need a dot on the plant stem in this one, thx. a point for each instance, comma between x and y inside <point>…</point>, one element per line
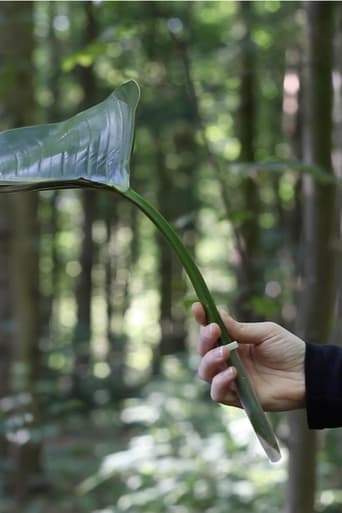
<point>189,265</point>
<point>246,395</point>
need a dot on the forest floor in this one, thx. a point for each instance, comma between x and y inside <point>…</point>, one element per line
<point>169,450</point>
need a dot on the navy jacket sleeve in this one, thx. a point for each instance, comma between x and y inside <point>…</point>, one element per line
<point>323,382</point>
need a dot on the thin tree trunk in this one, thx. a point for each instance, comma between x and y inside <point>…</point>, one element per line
<point>17,45</point>
<point>6,319</point>
<point>111,266</point>
<point>82,335</point>
<point>165,267</point>
<point>338,166</point>
<point>116,282</point>
<point>249,276</point>
<point>54,113</point>
<point>53,300</point>
<point>318,285</point>
<point>27,300</point>
<point>301,485</point>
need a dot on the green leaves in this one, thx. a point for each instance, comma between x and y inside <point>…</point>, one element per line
<point>93,145</point>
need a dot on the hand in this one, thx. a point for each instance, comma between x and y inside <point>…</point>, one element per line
<point>272,356</point>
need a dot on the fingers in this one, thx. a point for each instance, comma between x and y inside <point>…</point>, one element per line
<point>209,333</point>
<point>213,361</point>
<point>248,332</point>
<point>223,389</point>
<point>199,313</point>
<point>213,369</point>
<point>208,338</point>
<point>243,332</point>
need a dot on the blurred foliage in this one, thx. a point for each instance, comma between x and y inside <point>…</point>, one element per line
<point>166,450</point>
<point>134,439</point>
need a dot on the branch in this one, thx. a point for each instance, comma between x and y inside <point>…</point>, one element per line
<point>212,159</point>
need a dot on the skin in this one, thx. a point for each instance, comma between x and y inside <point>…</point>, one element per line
<point>273,358</point>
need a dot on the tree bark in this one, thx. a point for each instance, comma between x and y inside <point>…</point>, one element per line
<point>249,274</point>
<point>337,162</point>
<point>316,302</point>
<point>17,51</point>
<point>6,315</point>
<point>27,300</point>
<point>82,334</point>
<point>165,267</point>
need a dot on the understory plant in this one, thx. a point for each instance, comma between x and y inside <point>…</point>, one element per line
<point>92,149</point>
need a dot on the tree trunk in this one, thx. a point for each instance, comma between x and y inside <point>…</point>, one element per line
<point>82,335</point>
<point>316,302</point>
<point>27,300</point>
<point>165,267</point>
<point>301,485</point>
<point>248,275</point>
<point>338,167</point>
<point>6,318</point>
<point>17,51</point>
<point>118,260</point>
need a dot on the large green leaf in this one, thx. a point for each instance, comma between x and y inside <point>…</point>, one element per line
<point>93,145</point>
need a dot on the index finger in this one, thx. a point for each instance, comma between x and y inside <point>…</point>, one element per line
<point>209,336</point>
<point>199,314</point>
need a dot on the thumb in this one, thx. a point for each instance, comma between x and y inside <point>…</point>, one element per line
<point>247,332</point>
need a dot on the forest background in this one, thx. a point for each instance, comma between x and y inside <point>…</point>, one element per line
<point>238,143</point>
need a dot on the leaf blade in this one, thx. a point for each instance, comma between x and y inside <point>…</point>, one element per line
<point>95,144</point>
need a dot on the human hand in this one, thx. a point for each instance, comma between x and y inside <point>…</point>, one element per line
<point>272,356</point>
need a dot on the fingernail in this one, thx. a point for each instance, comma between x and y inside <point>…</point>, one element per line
<point>230,371</point>
<point>232,345</point>
<point>222,352</point>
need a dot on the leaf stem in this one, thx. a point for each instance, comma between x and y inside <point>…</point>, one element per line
<point>187,261</point>
<point>246,394</point>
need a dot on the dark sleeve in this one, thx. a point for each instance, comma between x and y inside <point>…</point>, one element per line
<point>323,383</point>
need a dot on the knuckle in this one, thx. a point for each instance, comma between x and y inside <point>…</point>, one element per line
<point>200,348</point>
<point>216,392</point>
<point>204,370</point>
<point>204,334</point>
<point>271,326</point>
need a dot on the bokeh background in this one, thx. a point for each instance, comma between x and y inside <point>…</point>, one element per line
<point>238,143</point>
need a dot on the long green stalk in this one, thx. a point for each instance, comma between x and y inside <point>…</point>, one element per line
<point>246,395</point>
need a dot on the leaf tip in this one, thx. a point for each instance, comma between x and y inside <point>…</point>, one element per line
<point>129,92</point>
